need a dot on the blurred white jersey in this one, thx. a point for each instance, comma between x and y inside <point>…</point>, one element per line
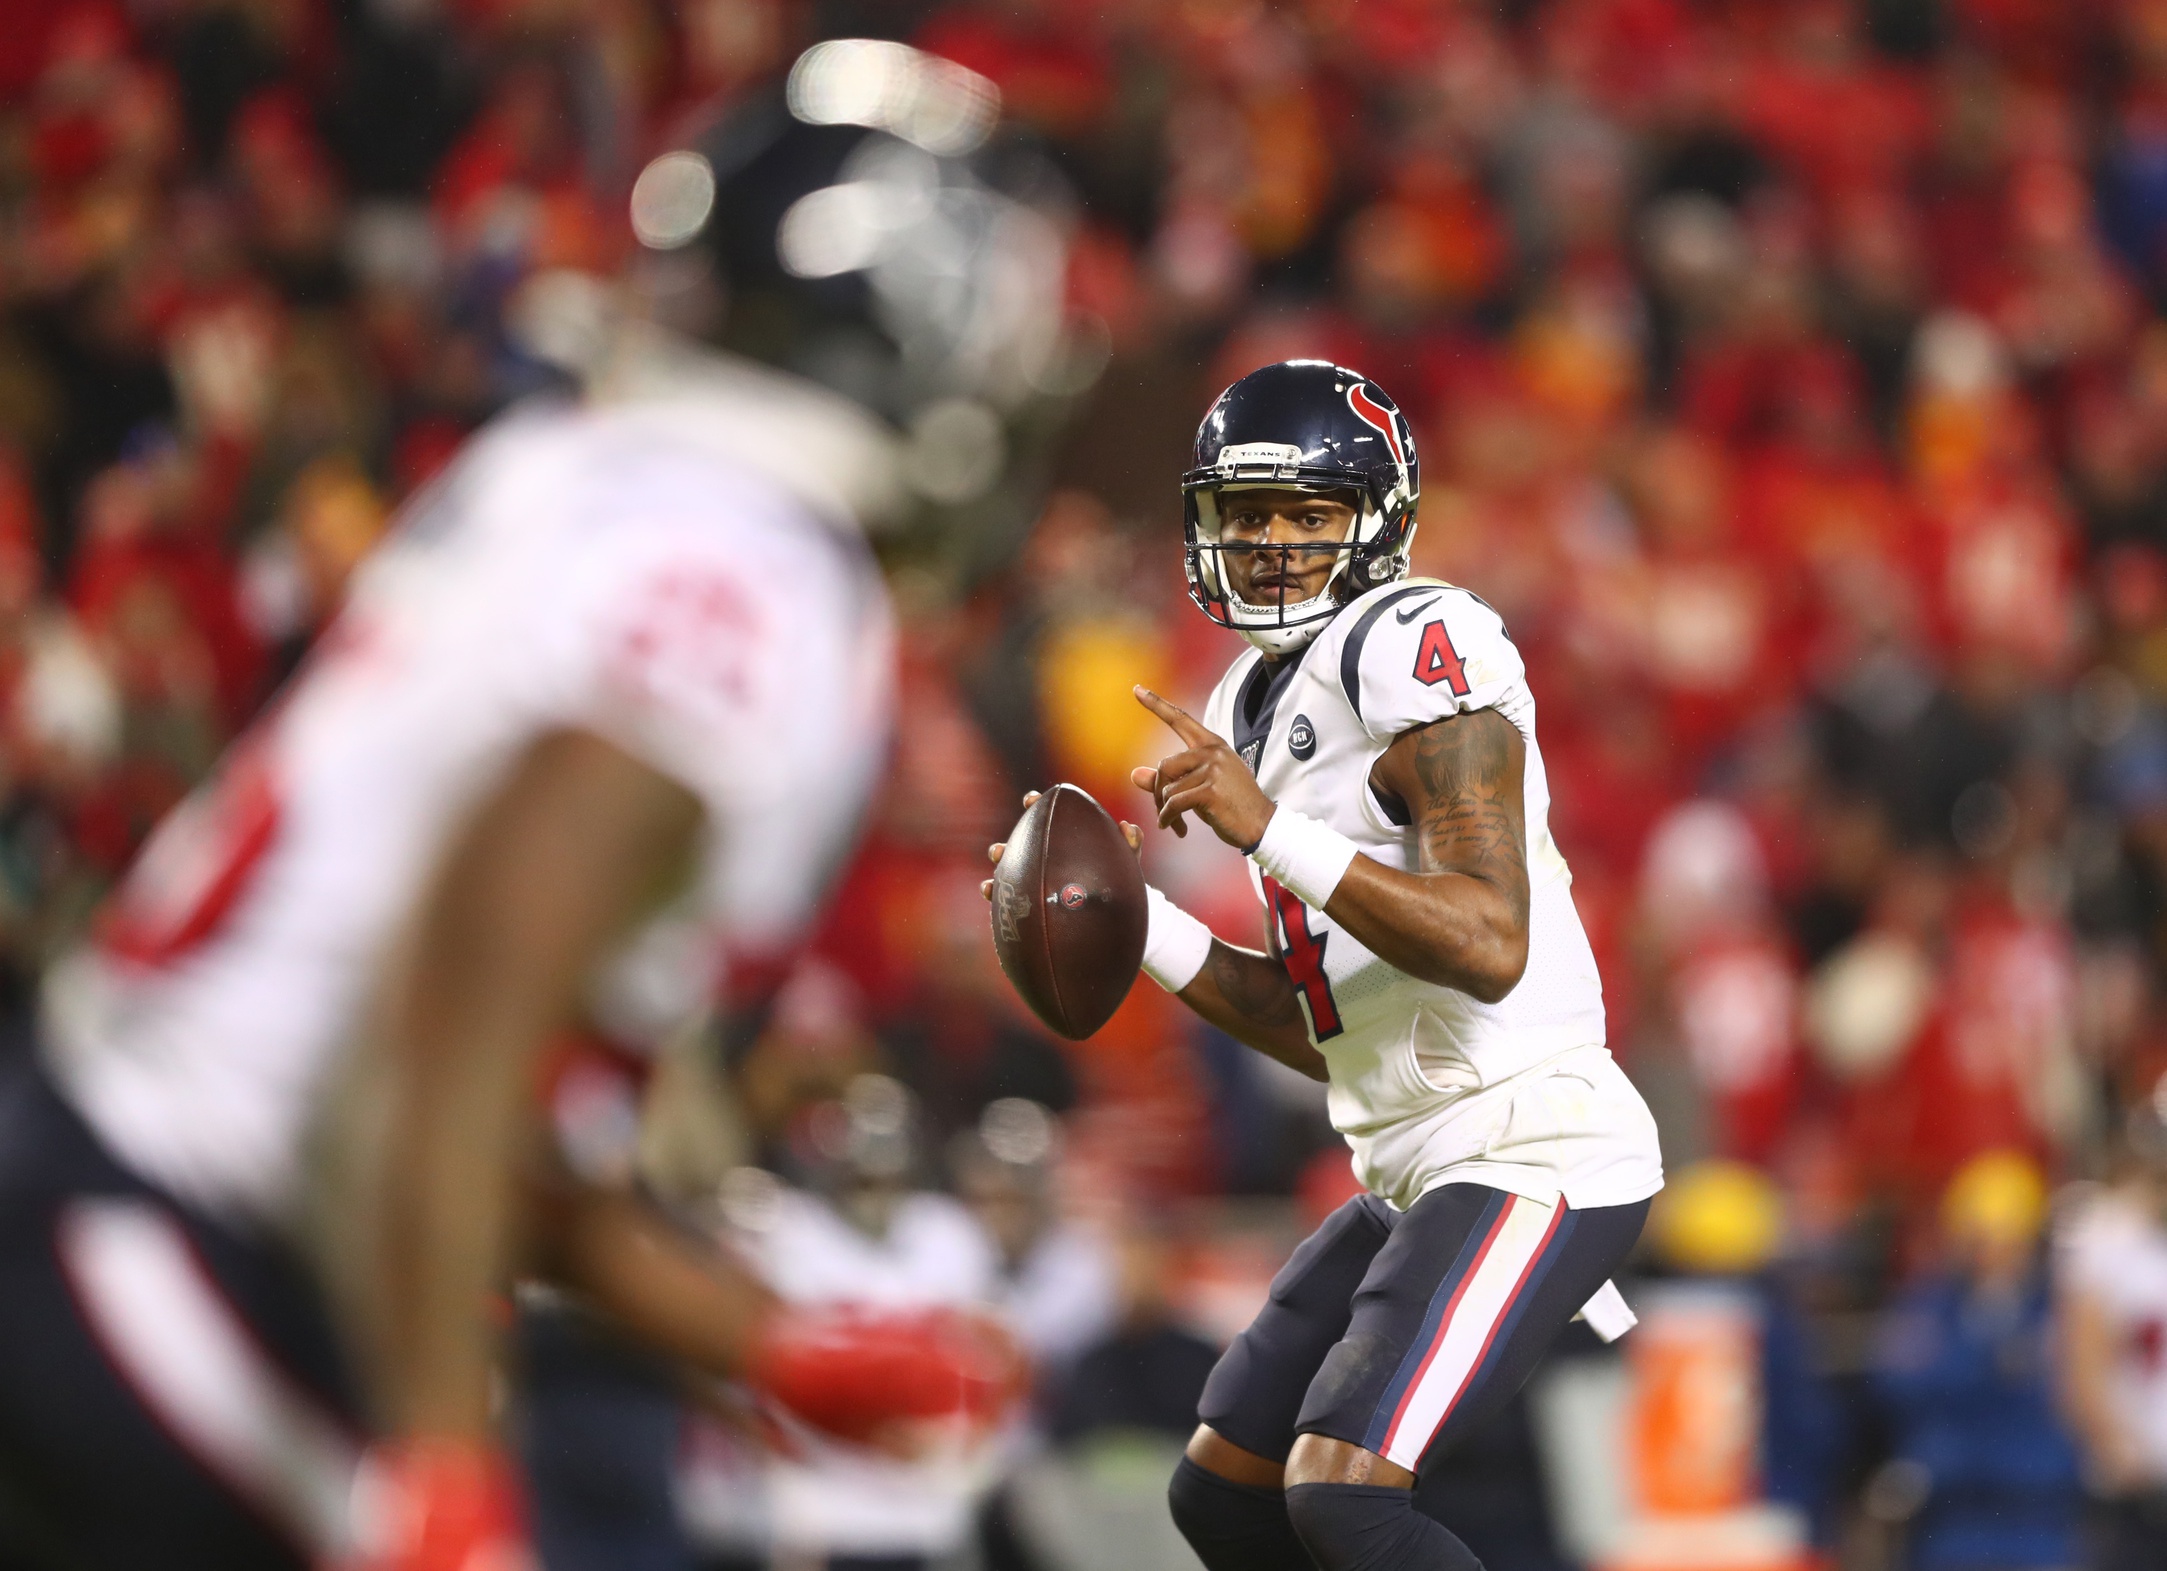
<point>648,572</point>
<point>2113,1250</point>
<point>826,1498</point>
<point>1430,1085</point>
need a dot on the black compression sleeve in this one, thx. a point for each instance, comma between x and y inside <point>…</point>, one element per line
<point>1234,1527</point>
<point>1372,1527</point>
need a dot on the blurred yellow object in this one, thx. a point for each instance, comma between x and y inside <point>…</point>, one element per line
<point>1719,1219</point>
<point>1097,730</point>
<point>1575,359</point>
<point>1996,1198</point>
<point>1950,438</point>
<point>336,516</point>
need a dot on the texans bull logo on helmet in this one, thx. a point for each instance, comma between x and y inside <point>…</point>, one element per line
<point>1383,416</point>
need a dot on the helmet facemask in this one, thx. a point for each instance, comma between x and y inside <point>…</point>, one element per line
<point>1373,553</point>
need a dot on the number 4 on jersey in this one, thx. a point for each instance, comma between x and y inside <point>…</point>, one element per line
<point>1303,956</point>
<point>1437,661</point>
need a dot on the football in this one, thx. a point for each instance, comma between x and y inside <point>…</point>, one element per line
<point>1069,912</point>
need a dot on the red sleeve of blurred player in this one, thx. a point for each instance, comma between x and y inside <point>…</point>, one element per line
<point>854,1373</point>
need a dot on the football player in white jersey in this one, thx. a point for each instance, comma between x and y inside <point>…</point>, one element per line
<point>1374,757</point>
<point>601,716</point>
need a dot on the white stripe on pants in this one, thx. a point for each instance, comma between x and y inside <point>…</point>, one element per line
<point>1459,1344</point>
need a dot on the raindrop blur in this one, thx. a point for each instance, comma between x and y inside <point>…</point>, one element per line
<point>671,200</point>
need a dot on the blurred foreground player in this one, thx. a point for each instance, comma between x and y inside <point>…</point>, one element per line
<point>1375,759</point>
<point>2112,1289</point>
<point>603,713</point>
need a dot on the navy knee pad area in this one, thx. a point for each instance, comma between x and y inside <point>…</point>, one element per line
<point>1234,1527</point>
<point>1371,1527</point>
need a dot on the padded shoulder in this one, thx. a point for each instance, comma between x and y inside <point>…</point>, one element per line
<point>1421,650</point>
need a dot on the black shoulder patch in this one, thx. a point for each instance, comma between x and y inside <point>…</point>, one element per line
<point>1350,653</point>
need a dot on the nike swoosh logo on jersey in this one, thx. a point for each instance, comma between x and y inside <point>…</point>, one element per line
<point>1413,611</point>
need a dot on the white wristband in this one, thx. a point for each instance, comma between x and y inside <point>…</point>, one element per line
<point>1308,858</point>
<point>1176,944</point>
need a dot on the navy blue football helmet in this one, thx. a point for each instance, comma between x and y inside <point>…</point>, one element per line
<point>1302,425</point>
<point>871,225</point>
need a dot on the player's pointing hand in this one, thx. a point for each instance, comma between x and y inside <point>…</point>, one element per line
<point>1207,778</point>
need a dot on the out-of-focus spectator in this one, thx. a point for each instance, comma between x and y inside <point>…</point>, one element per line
<point>1726,981</point>
<point>1964,1371</point>
<point>295,575</point>
<point>1145,1376</point>
<point>1059,1283</point>
<point>1723,1223</point>
<point>2113,1302</point>
<point>813,1043</point>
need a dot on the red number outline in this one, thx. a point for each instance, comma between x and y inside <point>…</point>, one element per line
<point>197,864</point>
<point>1302,953</point>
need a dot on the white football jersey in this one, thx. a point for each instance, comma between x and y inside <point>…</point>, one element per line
<point>647,572</point>
<point>2112,1247</point>
<point>1428,1084</point>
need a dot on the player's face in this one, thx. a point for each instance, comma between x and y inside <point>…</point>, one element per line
<point>1292,541</point>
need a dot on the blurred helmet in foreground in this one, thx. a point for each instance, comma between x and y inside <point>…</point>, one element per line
<point>1718,1219</point>
<point>869,226</point>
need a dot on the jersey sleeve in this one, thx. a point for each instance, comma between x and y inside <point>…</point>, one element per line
<point>1416,656</point>
<point>723,660</point>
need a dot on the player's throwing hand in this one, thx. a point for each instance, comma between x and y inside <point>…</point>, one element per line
<point>1207,778</point>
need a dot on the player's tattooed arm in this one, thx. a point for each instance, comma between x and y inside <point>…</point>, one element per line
<point>1250,997</point>
<point>1472,812</point>
<point>1461,919</point>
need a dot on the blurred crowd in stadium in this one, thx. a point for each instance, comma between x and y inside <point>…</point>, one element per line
<point>1791,374</point>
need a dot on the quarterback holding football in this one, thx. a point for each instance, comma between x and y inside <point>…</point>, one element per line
<point>1373,755</point>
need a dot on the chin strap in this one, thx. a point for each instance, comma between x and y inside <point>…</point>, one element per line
<point>1288,628</point>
